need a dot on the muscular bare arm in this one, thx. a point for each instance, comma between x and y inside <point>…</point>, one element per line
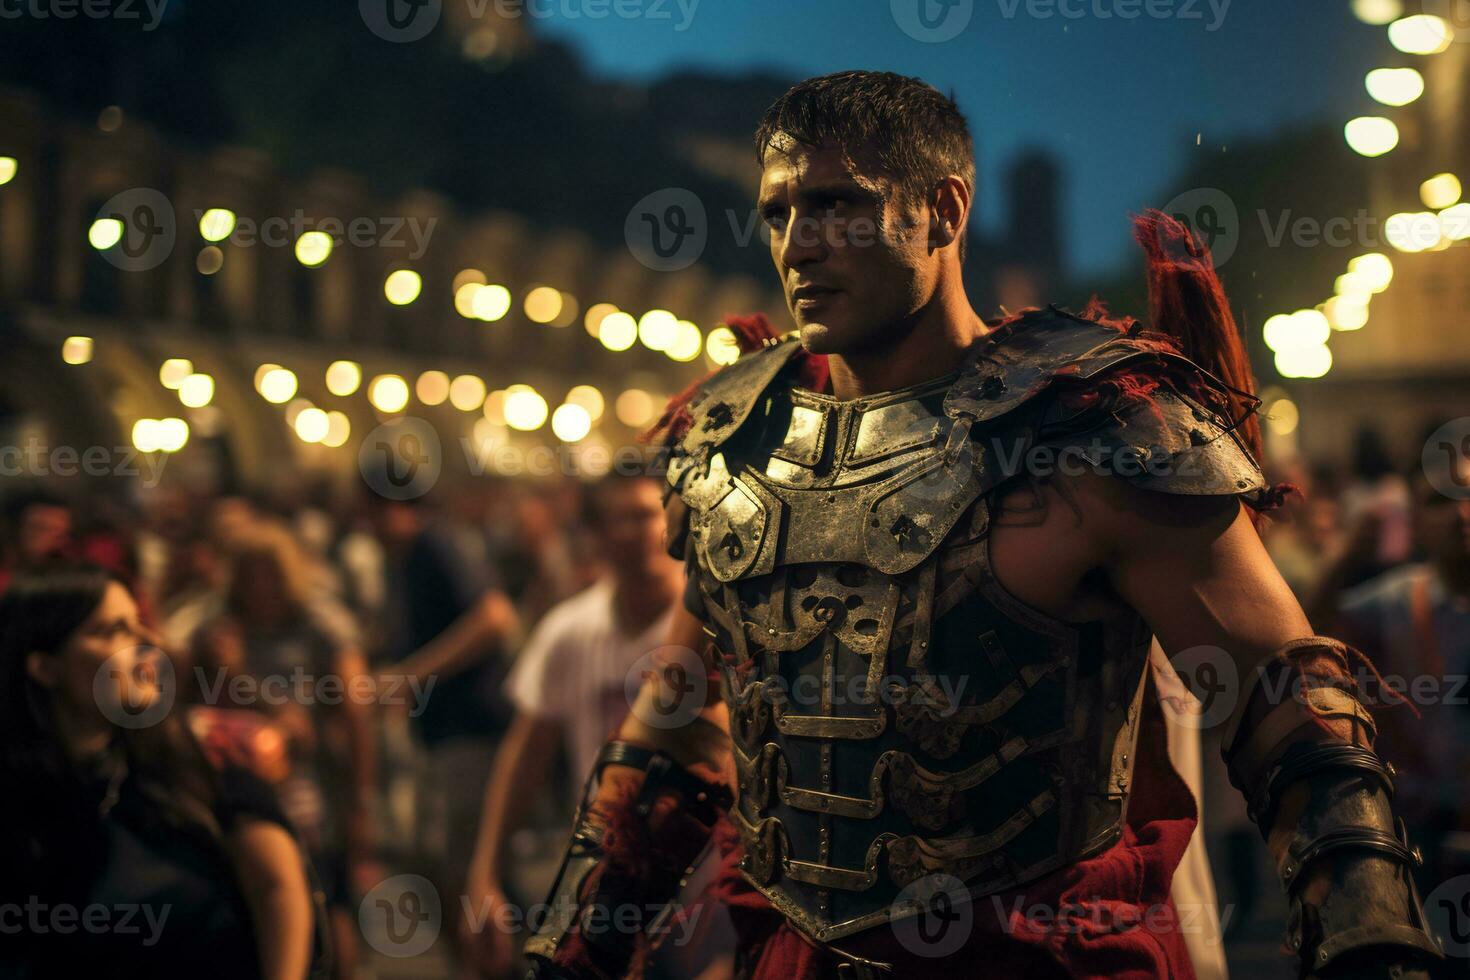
<point>1195,569</point>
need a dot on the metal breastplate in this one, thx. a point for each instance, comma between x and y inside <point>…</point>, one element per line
<point>895,713</point>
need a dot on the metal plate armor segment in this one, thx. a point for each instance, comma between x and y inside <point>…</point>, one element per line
<point>894,711</point>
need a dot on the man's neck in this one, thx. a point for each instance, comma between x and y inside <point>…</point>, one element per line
<point>932,344</point>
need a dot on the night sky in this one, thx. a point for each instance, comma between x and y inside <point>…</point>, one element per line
<point>1086,88</point>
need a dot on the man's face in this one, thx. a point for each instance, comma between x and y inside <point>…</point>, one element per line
<point>852,255</point>
<point>44,533</point>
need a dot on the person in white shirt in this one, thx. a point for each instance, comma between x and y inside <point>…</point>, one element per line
<point>569,685</point>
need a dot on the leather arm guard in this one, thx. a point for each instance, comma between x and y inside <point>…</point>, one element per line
<point>1339,794</point>
<point>615,890</point>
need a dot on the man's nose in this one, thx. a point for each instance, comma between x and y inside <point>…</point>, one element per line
<point>803,242</point>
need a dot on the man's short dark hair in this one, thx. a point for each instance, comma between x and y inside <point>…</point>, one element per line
<point>918,134</point>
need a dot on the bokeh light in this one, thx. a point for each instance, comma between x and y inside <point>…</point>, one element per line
<point>467,393</point>
<point>432,387</point>
<point>618,331</point>
<point>173,371</point>
<point>1371,136</point>
<point>525,409</point>
<point>635,407</point>
<point>589,398</point>
<point>403,286</point>
<point>196,390</point>
<point>313,248</point>
<point>278,385</point>
<point>388,393</point>
<point>1394,86</point>
<point>343,377</point>
<point>76,350</point>
<point>1421,34</point>
<point>571,423</point>
<point>217,224</point>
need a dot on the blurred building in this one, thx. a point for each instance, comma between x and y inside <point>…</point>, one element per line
<point>133,256</point>
<point>1404,368</point>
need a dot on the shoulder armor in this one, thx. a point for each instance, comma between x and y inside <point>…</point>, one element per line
<point>1173,442</point>
<point>726,400</point>
<point>1037,349</point>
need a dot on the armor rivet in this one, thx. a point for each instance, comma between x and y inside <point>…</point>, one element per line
<point>1295,942</point>
<point>1288,871</point>
<point>1125,756</point>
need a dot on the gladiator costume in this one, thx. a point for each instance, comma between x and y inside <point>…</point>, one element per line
<point>899,720</point>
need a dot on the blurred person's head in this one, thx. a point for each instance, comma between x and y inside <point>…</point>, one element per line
<point>79,675</point>
<point>229,517</point>
<point>397,523</point>
<point>72,637</point>
<point>626,516</point>
<point>866,187</point>
<point>1443,521</point>
<point>268,576</point>
<point>40,529</point>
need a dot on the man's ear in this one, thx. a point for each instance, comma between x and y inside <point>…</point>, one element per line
<point>949,210</point>
<point>43,668</point>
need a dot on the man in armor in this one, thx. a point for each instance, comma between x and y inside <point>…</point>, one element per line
<point>927,556</point>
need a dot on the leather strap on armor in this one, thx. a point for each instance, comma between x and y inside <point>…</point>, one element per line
<point>595,898</point>
<point>1346,819</point>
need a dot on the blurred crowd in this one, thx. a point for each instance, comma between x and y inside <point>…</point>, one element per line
<point>415,687</point>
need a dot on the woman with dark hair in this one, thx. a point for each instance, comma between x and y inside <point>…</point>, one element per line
<point>124,852</point>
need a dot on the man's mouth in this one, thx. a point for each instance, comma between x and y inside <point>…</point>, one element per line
<point>812,295</point>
